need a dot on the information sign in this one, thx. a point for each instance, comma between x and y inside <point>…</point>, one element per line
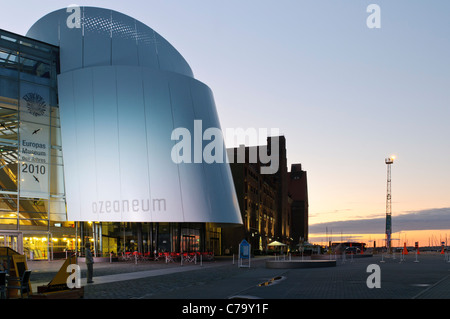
<point>244,253</point>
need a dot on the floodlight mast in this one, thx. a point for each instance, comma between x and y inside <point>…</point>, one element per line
<point>389,161</point>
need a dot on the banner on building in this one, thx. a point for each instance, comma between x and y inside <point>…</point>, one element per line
<point>34,141</point>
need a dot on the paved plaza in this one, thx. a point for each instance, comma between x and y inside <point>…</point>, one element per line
<point>423,277</point>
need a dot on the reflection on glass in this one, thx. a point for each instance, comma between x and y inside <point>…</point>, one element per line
<point>29,66</point>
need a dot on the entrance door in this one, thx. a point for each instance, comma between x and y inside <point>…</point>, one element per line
<point>12,240</point>
<point>190,240</point>
<point>188,244</point>
<point>215,246</point>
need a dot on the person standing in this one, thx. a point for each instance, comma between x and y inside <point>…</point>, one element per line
<point>89,263</point>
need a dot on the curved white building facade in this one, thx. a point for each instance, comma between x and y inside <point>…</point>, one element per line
<point>122,91</point>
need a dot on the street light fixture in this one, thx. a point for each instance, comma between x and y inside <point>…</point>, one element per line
<point>389,161</point>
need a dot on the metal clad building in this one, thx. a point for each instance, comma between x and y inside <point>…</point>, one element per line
<point>123,89</point>
<point>106,134</point>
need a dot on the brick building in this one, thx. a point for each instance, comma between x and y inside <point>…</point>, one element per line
<point>273,206</point>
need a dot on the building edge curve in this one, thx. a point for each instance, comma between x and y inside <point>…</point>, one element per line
<point>117,37</point>
<point>97,103</point>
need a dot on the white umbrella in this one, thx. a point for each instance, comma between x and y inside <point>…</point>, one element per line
<point>276,243</point>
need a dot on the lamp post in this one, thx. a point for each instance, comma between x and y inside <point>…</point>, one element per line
<point>389,161</point>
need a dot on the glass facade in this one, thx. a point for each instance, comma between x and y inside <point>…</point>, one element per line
<point>121,237</point>
<point>32,199</point>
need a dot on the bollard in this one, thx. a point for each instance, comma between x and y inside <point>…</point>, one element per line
<point>382,258</point>
<point>402,258</point>
<point>416,261</point>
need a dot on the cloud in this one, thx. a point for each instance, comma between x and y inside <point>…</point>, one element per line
<point>436,218</point>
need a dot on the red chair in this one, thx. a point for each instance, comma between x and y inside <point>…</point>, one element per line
<point>127,256</point>
<point>158,255</point>
<point>145,256</point>
<point>168,257</point>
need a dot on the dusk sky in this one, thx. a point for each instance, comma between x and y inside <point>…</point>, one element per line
<point>344,95</point>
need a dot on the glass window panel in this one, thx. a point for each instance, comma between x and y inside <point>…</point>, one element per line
<point>33,216</point>
<point>5,37</point>
<point>35,245</point>
<point>37,64</point>
<point>8,206</point>
<point>55,133</point>
<point>33,205</point>
<point>35,67</point>
<point>8,64</point>
<point>35,47</point>
<point>8,175</point>
<point>54,99</point>
<point>35,71</point>
<point>56,156</point>
<point>8,221</point>
<point>57,209</point>
<point>57,179</point>
<point>33,211</point>
<point>8,130</point>
<point>34,225</point>
<point>9,92</point>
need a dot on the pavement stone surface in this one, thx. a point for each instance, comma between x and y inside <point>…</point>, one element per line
<point>427,277</point>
